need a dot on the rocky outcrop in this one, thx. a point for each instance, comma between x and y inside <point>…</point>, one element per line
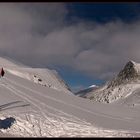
<point>128,74</point>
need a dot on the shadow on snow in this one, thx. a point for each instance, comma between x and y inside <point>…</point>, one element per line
<point>7,122</point>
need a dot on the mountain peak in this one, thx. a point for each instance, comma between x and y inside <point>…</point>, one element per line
<point>131,64</point>
<point>131,61</point>
<point>124,86</point>
<point>82,93</point>
<point>129,73</point>
<point>92,86</point>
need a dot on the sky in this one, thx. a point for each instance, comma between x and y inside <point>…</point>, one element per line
<point>87,43</point>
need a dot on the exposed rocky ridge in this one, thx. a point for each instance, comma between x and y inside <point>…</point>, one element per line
<point>128,74</point>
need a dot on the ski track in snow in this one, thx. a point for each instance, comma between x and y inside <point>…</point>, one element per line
<point>28,98</point>
<point>60,101</point>
<point>45,123</point>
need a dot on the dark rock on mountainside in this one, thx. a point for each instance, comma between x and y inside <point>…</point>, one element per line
<point>128,74</point>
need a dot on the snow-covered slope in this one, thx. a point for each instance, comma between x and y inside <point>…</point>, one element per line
<point>122,86</point>
<point>44,77</point>
<point>30,109</point>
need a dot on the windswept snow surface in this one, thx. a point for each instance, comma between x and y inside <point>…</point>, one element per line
<point>44,77</point>
<point>30,109</point>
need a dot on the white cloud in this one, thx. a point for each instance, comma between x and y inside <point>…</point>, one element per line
<point>37,34</point>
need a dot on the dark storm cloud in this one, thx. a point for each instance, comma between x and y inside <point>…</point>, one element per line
<point>38,35</point>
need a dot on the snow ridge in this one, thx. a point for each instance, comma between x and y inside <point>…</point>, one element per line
<point>44,77</point>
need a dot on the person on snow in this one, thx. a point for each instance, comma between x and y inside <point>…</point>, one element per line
<point>2,72</point>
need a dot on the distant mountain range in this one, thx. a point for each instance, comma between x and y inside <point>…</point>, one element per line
<point>83,93</point>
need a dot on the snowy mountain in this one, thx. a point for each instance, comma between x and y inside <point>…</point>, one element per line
<point>29,108</point>
<point>44,77</point>
<point>123,86</point>
<point>83,93</point>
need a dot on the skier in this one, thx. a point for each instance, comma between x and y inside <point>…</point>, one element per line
<point>2,72</point>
